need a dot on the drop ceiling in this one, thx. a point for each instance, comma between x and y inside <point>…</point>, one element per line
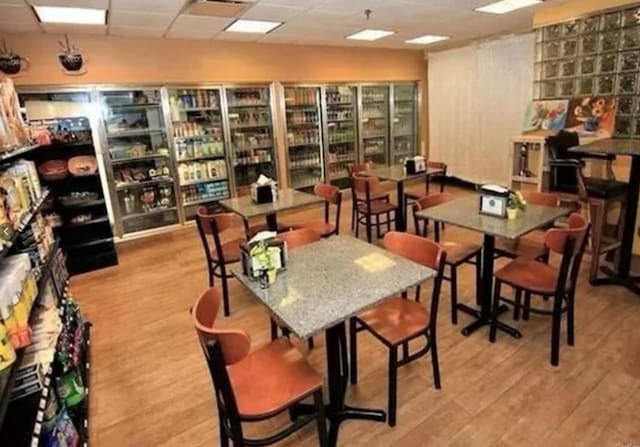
<point>310,22</point>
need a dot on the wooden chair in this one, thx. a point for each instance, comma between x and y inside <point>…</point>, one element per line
<point>538,278</point>
<point>458,253</point>
<point>357,170</point>
<point>411,197</point>
<point>399,320</point>
<point>221,253</point>
<point>331,196</point>
<point>369,207</point>
<point>567,179</point>
<point>254,386</point>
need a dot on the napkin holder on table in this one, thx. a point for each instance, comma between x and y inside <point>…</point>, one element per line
<point>415,165</point>
<point>262,191</point>
<point>493,200</point>
<point>252,267</point>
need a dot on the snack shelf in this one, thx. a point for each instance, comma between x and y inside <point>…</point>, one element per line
<point>16,152</point>
<point>26,220</point>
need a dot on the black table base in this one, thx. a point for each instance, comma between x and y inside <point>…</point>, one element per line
<point>401,224</point>
<point>480,321</point>
<point>631,282</point>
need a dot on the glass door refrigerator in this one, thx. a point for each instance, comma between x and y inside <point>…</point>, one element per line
<point>374,123</point>
<point>139,164</point>
<point>404,127</point>
<point>304,144</point>
<point>197,137</point>
<point>251,135</point>
<point>341,132</point>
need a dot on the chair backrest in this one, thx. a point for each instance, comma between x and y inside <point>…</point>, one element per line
<point>214,225</point>
<point>298,238</point>
<point>570,243</point>
<point>422,251</point>
<point>562,177</point>
<point>365,186</point>
<point>332,195</point>
<point>541,198</point>
<point>437,165</point>
<point>359,168</point>
<point>429,201</point>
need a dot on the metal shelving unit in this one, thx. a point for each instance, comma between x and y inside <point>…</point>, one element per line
<point>404,122</point>
<point>374,120</point>
<point>340,131</point>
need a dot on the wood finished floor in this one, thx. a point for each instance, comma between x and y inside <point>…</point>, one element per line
<point>150,385</point>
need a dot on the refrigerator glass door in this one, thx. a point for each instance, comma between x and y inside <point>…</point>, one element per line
<point>251,135</point>
<point>375,123</point>
<point>404,132</point>
<point>198,144</point>
<point>139,159</point>
<point>304,144</point>
<point>341,132</point>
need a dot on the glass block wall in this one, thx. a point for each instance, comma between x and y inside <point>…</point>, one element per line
<point>593,56</point>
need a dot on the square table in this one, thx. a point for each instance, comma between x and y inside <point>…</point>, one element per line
<point>325,284</point>
<point>398,174</point>
<point>465,213</point>
<point>630,148</point>
<point>288,199</point>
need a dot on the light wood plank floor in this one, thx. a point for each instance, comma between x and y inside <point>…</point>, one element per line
<point>150,385</point>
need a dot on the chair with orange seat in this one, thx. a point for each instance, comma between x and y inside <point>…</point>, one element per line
<point>458,253</point>
<point>368,207</point>
<point>331,196</point>
<point>440,172</point>
<point>355,171</point>
<point>538,278</point>
<point>400,320</point>
<point>221,253</point>
<point>254,386</point>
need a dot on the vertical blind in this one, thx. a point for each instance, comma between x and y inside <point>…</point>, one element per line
<point>477,98</point>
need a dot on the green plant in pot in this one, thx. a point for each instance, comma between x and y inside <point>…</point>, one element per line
<point>263,255</point>
<point>515,202</point>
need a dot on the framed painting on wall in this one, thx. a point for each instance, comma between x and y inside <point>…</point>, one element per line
<point>545,115</point>
<point>593,115</point>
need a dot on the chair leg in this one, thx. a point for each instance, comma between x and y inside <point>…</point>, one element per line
<point>434,359</point>
<point>555,330</point>
<point>494,312</point>
<point>224,438</point>
<point>225,290</point>
<point>274,329</point>
<point>353,215</point>
<point>368,223</point>
<point>454,295</point>
<point>527,306</point>
<point>516,307</point>
<point>418,294</point>
<point>597,226</point>
<point>570,320</point>
<point>310,343</point>
<point>212,277</point>
<point>378,232</point>
<point>320,418</point>
<point>393,385</point>
<point>389,222</point>
<point>357,226</point>
<point>478,278</point>
<point>353,350</point>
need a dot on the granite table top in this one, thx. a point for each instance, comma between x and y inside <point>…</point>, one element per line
<point>464,213</point>
<point>327,282</point>
<point>615,146</point>
<point>287,199</point>
<point>396,173</point>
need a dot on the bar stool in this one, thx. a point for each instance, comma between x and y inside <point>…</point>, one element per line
<point>369,207</point>
<point>410,197</point>
<point>458,253</point>
<point>254,386</point>
<point>399,320</point>
<point>356,170</point>
<point>222,253</point>
<point>331,196</point>
<point>538,278</point>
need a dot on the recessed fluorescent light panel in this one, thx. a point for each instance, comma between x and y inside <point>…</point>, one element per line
<point>252,26</point>
<point>505,6</point>
<point>370,34</point>
<point>426,40</point>
<point>76,16</point>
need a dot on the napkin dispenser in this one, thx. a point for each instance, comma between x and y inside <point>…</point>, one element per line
<point>261,193</point>
<point>493,200</point>
<point>415,165</point>
<point>253,268</point>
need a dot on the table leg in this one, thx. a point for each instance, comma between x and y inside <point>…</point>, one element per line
<point>483,316</point>
<point>272,222</point>
<point>622,277</point>
<point>400,220</point>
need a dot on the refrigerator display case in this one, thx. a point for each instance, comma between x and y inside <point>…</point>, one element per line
<point>304,142</point>
<point>138,160</point>
<point>198,141</point>
<point>341,132</point>
<point>374,120</point>
<point>251,134</point>
<point>404,134</point>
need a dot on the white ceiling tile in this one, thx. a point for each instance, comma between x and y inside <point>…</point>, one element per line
<point>139,19</point>
<point>240,37</point>
<point>135,31</point>
<point>157,6</point>
<point>95,4</point>
<point>273,13</point>
<point>277,38</point>
<point>186,25</point>
<point>12,2</point>
<point>351,7</point>
<point>186,34</point>
<point>15,13</point>
<point>297,3</point>
<point>63,28</point>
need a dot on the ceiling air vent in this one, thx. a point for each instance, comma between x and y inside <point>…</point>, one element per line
<point>218,8</point>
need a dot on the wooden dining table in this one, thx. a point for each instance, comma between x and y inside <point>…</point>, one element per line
<point>325,284</point>
<point>464,213</point>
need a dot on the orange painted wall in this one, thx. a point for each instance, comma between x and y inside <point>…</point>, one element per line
<point>572,9</point>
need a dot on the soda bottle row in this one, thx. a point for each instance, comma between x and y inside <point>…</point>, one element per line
<point>250,118</point>
<point>374,147</point>
<point>249,141</point>
<point>190,129</point>
<point>341,136</point>
<point>300,137</point>
<point>197,193</point>
<point>246,98</point>
<point>306,159</point>
<point>340,97</point>
<point>192,99</point>
<point>252,157</point>
<point>300,96</point>
<point>339,170</point>
<point>373,96</point>
<point>340,114</point>
<point>302,116</point>
<point>203,170</point>
<point>341,153</point>
<point>374,111</point>
<point>301,179</point>
<point>199,148</point>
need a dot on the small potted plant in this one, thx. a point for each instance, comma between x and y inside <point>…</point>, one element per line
<point>263,255</point>
<point>515,202</point>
